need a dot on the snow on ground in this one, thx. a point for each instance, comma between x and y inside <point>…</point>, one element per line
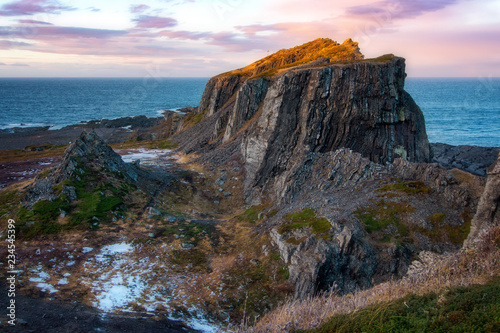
<point>146,156</point>
<point>87,250</point>
<point>123,277</point>
<point>41,277</point>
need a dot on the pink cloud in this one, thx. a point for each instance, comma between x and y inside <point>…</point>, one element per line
<point>185,35</point>
<point>252,30</point>
<point>53,32</point>
<point>34,22</point>
<point>7,45</point>
<point>30,7</point>
<point>137,9</point>
<point>399,8</point>
<point>146,22</point>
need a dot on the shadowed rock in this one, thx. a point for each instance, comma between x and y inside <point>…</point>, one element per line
<point>88,157</point>
<point>488,209</point>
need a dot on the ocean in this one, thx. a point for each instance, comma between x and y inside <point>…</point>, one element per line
<point>457,111</point>
<point>59,102</point>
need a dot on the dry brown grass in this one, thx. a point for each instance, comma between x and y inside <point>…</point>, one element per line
<point>23,155</point>
<point>432,274</point>
<point>286,58</point>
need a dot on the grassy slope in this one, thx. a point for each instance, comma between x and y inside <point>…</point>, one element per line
<point>434,295</point>
<point>461,309</point>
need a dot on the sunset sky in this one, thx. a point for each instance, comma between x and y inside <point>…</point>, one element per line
<point>201,38</point>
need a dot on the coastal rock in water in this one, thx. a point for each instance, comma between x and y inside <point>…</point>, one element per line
<point>488,210</point>
<point>475,160</point>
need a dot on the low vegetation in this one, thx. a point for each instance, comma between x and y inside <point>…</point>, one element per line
<point>407,187</point>
<point>306,218</point>
<point>303,54</point>
<point>460,309</point>
<point>381,215</point>
<point>31,152</point>
<point>448,287</point>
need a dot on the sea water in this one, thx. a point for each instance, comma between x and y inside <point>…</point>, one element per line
<point>59,102</point>
<point>457,111</point>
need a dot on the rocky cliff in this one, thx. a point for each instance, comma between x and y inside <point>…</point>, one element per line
<point>488,210</point>
<point>335,144</point>
<point>283,109</point>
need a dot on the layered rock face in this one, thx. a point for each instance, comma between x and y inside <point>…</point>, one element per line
<point>360,105</point>
<point>319,127</point>
<point>488,209</point>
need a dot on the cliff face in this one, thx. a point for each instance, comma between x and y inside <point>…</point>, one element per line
<point>339,135</point>
<point>488,210</point>
<point>361,106</point>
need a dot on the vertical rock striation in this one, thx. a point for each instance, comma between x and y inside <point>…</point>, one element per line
<point>360,106</point>
<point>317,97</point>
<point>488,209</point>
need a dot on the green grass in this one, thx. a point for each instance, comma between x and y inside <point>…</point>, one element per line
<point>42,218</point>
<point>251,215</point>
<point>443,232</point>
<point>98,200</point>
<point>383,214</point>
<point>408,187</point>
<point>9,200</point>
<point>306,218</point>
<point>471,309</point>
<point>165,144</point>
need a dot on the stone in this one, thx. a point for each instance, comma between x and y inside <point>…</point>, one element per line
<point>487,215</point>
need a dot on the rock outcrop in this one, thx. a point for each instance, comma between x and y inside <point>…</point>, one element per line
<point>488,210</point>
<point>319,127</point>
<point>427,205</point>
<point>344,263</point>
<point>283,109</point>
<point>473,159</point>
<point>88,156</point>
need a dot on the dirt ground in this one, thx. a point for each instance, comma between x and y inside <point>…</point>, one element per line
<point>42,315</point>
<point>57,137</point>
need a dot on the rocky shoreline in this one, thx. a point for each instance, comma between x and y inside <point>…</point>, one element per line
<point>111,130</point>
<point>473,159</point>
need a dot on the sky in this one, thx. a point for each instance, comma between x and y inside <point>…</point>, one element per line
<point>202,38</point>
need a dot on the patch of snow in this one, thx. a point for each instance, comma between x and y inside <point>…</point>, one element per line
<point>119,292</point>
<point>63,281</point>
<point>87,250</point>
<point>47,287</point>
<point>71,263</point>
<point>41,276</point>
<point>201,324</point>
<point>111,250</point>
<point>146,156</point>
